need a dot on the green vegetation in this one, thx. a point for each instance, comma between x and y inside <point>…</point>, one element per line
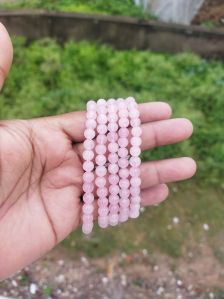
<point>47,79</point>
<point>115,7</point>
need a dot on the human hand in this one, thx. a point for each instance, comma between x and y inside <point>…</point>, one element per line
<point>41,174</point>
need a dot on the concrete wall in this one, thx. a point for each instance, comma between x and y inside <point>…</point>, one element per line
<point>120,32</point>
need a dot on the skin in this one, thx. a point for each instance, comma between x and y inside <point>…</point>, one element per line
<point>41,173</point>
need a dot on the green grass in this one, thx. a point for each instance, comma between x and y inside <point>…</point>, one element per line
<point>115,7</point>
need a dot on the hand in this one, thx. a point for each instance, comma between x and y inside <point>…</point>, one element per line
<point>41,174</point>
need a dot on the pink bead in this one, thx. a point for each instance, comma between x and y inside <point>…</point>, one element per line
<point>91,123</point>
<point>91,105</point>
<point>112,118</point>
<point>124,210</point>
<point>123,122</point>
<point>113,219</point>
<point>103,221</point>
<point>134,113</point>
<point>136,141</point>
<point>103,211</point>
<point>91,114</point>
<point>88,187</point>
<point>123,113</point>
<point>102,202</point>
<point>134,171</point>
<point>101,139</point>
<point>112,109</point>
<point>101,129</point>
<point>113,158</point>
<point>114,189</point>
<point>102,192</point>
<point>124,183</point>
<point>135,151</point>
<point>88,198</point>
<point>134,206</point>
<point>123,142</point>
<point>101,171</point>
<point>122,152</point>
<point>101,102</point>
<point>130,100</point>
<point>113,179</point>
<point>112,127</point>
<point>135,199</point>
<point>100,149</point>
<point>101,160</point>
<point>135,182</point>
<point>87,218</point>
<point>88,155</point>
<point>88,166</point>
<point>114,199</point>
<point>100,182</point>
<point>88,144</point>
<point>135,161</point>
<point>124,203</point>
<point>88,177</point>
<point>102,119</point>
<point>89,133</point>
<point>113,168</point>
<point>124,173</point>
<point>124,193</point>
<point>102,109</point>
<point>123,217</point>
<point>114,209</point>
<point>111,102</point>
<point>87,228</point>
<point>135,122</point>
<point>135,191</point>
<point>134,213</point>
<point>136,131</point>
<point>112,136</point>
<point>123,162</point>
<point>123,132</point>
<point>113,147</point>
<point>87,208</point>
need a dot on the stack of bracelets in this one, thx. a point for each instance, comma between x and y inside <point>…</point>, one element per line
<point>111,162</point>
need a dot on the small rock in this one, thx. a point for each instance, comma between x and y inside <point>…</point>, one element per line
<point>211,295</point>
<point>61,263</point>
<point>84,260</point>
<point>179,297</point>
<point>179,283</point>
<point>14,283</point>
<point>105,280</point>
<point>60,278</point>
<point>205,226</point>
<point>160,291</point>
<point>123,280</point>
<point>156,268</point>
<point>33,288</point>
<point>176,220</point>
<point>145,252</point>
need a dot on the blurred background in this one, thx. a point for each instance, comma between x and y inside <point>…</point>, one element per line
<point>176,249</point>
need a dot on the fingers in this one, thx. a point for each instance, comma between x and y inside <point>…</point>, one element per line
<point>154,195</point>
<point>6,54</point>
<point>73,124</point>
<point>166,171</point>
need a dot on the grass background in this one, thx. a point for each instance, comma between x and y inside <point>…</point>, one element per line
<point>47,79</point>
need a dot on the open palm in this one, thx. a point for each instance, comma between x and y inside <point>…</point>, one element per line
<point>41,175</point>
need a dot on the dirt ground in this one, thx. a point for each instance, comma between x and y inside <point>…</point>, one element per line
<point>198,275</point>
<point>211,11</point>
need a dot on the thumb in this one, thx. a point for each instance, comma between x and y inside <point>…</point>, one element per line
<point>6,54</point>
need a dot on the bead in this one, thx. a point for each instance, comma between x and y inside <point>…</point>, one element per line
<point>114,199</point>
<point>135,151</point>
<point>111,101</point>
<point>124,183</point>
<point>124,203</point>
<point>88,187</point>
<point>123,162</point>
<point>89,133</point>
<point>136,131</point>
<point>123,217</point>
<point>123,142</point>
<point>102,202</point>
<point>87,209</point>
<point>91,105</point>
<point>88,177</point>
<point>134,213</point>
<point>88,166</point>
<point>102,192</point>
<point>100,149</point>
<point>113,158</point>
<point>91,114</point>
<point>134,171</point>
<point>136,141</point>
<point>134,206</point>
<point>112,109</point>
<point>100,160</point>
<point>101,102</point>
<point>102,109</point>
<point>112,136</point>
<point>114,209</point>
<point>100,182</point>
<point>113,168</point>
<point>113,219</point>
<point>103,221</point>
<point>114,189</point>
<point>87,218</point>
<point>101,129</point>
<point>123,132</point>
<point>101,171</point>
<point>123,113</point>
<point>101,139</point>
<point>134,113</point>
<point>122,152</point>
<point>113,147</point>
<point>135,122</point>
<point>113,179</point>
<point>130,100</point>
<point>88,198</point>
<point>112,127</point>
<point>88,155</point>
<point>135,191</point>
<point>88,144</point>
<point>102,119</point>
<point>103,211</point>
<point>135,161</point>
<point>124,193</point>
<point>91,123</point>
<point>124,173</point>
<point>87,228</point>
<point>135,182</point>
<point>123,122</point>
<point>135,199</point>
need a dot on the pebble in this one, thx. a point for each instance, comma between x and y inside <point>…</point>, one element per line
<point>33,288</point>
<point>105,280</point>
<point>179,283</point>
<point>205,226</point>
<point>14,283</point>
<point>176,220</point>
<point>160,291</point>
<point>61,263</point>
<point>60,278</point>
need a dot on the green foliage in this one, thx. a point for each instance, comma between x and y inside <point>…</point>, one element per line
<point>115,7</point>
<point>47,79</point>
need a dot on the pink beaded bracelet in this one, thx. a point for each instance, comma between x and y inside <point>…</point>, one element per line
<point>115,165</point>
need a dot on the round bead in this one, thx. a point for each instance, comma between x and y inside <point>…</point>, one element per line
<point>113,168</point>
<point>135,151</point>
<point>102,202</point>
<point>113,147</point>
<point>101,129</point>
<point>100,149</point>
<point>124,193</point>
<point>123,142</point>
<point>102,119</point>
<point>88,187</point>
<point>91,114</point>
<point>113,219</point>
<point>87,228</point>
<point>112,136</point>
<point>101,171</point>
<point>136,141</point>
<point>88,155</point>
<point>87,218</point>
<point>134,213</point>
<point>135,199</point>
<point>113,179</point>
<point>123,113</point>
<point>112,127</point>
<point>111,101</point>
<point>103,221</point>
<point>134,206</point>
<point>135,182</point>
<point>135,122</point>
<point>101,139</point>
<point>87,209</point>
<point>101,160</point>
<point>100,182</point>
<point>112,117</point>
<point>124,173</point>
<point>88,144</point>
<point>123,132</point>
<point>124,183</point>
<point>112,109</point>
<point>102,192</point>
<point>91,123</point>
<point>114,199</point>
<point>136,131</point>
<point>130,100</point>
<point>103,211</point>
<point>88,166</point>
<point>91,105</point>
<point>124,203</point>
<point>135,161</point>
<point>134,171</point>
<point>88,198</point>
<point>101,102</point>
<point>89,133</point>
<point>102,109</point>
<point>114,189</point>
<point>123,122</point>
<point>123,217</point>
<point>135,191</point>
<point>134,113</point>
<point>122,152</point>
<point>113,158</point>
<point>123,162</point>
<point>88,177</point>
<point>114,209</point>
